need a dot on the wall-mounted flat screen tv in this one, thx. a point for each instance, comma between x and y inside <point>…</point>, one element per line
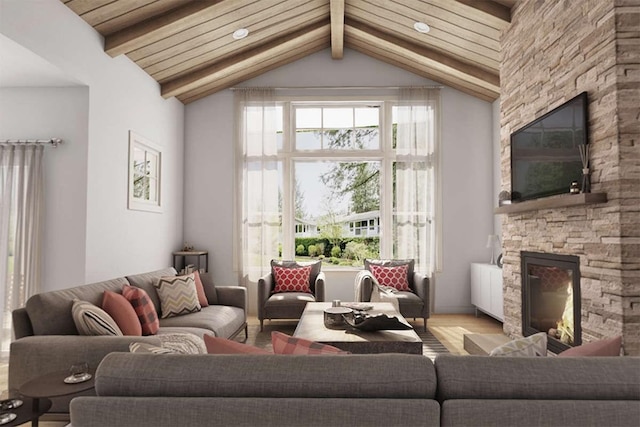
<point>545,157</point>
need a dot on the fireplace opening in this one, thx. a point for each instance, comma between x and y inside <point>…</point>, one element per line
<point>551,298</point>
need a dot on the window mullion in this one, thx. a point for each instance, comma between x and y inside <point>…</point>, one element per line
<point>288,217</point>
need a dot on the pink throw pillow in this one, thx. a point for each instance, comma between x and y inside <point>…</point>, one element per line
<point>284,344</point>
<point>202,297</point>
<point>396,276</point>
<point>122,312</point>
<point>292,279</point>
<point>217,345</point>
<point>606,347</point>
<point>144,308</point>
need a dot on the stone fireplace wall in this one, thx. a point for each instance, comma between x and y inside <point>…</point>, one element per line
<point>553,51</point>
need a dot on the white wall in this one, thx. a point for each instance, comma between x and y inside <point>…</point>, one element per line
<point>121,98</point>
<point>467,171</point>
<point>42,113</point>
<point>497,169</point>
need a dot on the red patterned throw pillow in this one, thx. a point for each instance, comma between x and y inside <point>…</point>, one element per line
<point>396,276</point>
<point>284,344</point>
<point>144,308</point>
<point>292,279</point>
<point>216,345</point>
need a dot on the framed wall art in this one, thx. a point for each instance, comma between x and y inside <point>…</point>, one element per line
<point>145,173</point>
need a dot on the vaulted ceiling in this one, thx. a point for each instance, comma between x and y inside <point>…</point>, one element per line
<point>187,45</point>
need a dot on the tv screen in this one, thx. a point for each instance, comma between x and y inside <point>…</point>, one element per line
<point>545,157</point>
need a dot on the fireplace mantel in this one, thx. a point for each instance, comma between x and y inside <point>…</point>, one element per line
<point>559,201</point>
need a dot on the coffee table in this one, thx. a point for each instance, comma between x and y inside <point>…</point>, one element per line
<point>311,327</point>
<point>49,386</point>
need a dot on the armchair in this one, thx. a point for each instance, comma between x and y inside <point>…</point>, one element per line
<point>413,303</point>
<point>290,304</point>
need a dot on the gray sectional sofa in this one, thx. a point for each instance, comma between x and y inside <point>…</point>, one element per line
<point>48,341</point>
<point>360,390</point>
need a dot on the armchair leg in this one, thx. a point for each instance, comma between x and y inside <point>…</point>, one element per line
<point>425,324</point>
<point>261,324</point>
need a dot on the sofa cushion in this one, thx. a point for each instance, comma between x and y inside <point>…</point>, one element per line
<point>606,347</point>
<point>147,281</point>
<point>285,344</point>
<point>291,279</point>
<point>222,320</point>
<point>92,320</point>
<point>143,307</point>
<point>533,345</point>
<point>217,345</point>
<point>50,312</point>
<point>316,266</point>
<point>178,295</point>
<point>121,310</point>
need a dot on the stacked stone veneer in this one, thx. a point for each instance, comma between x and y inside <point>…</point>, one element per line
<point>552,51</point>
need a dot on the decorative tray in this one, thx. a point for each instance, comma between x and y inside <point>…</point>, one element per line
<point>378,322</point>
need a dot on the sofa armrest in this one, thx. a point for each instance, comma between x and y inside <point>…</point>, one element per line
<point>421,287</point>
<point>319,286</point>
<point>33,356</point>
<point>235,296</point>
<point>265,284</point>
<point>364,287</point>
<point>21,323</point>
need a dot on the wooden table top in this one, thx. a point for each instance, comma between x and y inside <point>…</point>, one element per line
<point>311,327</point>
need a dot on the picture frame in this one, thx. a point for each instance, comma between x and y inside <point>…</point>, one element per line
<point>145,174</point>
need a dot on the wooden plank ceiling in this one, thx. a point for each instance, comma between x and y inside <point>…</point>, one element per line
<point>187,45</point>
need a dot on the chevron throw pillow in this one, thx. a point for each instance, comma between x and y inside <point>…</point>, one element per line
<point>533,345</point>
<point>178,295</point>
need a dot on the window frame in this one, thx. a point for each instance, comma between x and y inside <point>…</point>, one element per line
<point>385,154</point>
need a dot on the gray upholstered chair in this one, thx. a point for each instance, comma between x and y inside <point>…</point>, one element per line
<point>288,305</point>
<point>414,303</point>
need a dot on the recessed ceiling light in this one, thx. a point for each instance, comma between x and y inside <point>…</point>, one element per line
<point>421,27</point>
<point>240,34</point>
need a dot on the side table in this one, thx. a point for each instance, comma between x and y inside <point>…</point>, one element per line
<point>26,413</point>
<point>185,254</point>
<point>49,386</point>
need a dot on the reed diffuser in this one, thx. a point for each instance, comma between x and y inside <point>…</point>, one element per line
<point>586,178</point>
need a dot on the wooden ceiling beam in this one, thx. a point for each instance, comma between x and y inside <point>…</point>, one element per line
<point>421,54</point>
<point>337,28</point>
<point>238,63</point>
<point>258,69</point>
<point>157,28</point>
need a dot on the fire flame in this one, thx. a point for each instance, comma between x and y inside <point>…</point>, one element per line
<point>565,325</point>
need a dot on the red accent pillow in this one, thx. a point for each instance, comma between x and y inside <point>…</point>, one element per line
<point>396,277</point>
<point>144,308</point>
<point>284,344</point>
<point>217,345</point>
<point>607,347</point>
<point>122,312</point>
<point>292,279</point>
<point>202,297</point>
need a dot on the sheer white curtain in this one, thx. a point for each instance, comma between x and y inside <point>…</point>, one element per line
<point>417,204</point>
<point>258,182</point>
<point>21,220</point>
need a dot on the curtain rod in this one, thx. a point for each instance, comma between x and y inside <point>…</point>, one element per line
<point>53,141</point>
<point>341,87</point>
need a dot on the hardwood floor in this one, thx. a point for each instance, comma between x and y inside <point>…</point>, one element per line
<point>448,328</point>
